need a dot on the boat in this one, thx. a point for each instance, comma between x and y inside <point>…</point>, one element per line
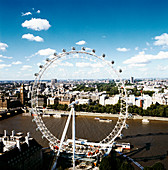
<point>105,120</point>
<point>97,118</point>
<point>122,146</point>
<point>57,116</point>
<point>45,115</point>
<point>145,121</point>
<point>126,146</point>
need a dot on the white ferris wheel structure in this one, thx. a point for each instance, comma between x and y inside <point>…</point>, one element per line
<point>90,149</point>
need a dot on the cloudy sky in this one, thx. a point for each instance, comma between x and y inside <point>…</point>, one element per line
<point>133,33</point>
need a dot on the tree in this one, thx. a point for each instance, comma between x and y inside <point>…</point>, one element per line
<point>158,166</point>
<point>106,163</point>
<point>109,162</point>
<point>126,166</point>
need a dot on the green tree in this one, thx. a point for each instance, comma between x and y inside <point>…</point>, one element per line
<point>158,166</point>
<point>126,166</point>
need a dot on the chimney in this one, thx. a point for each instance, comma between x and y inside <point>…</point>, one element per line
<point>4,133</point>
<point>18,144</point>
<point>27,140</point>
<point>28,134</point>
<point>1,146</point>
<point>13,133</point>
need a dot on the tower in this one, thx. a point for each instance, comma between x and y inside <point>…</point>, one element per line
<point>22,95</point>
<point>53,83</point>
<point>132,80</point>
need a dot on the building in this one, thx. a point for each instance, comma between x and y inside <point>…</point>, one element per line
<point>161,98</point>
<point>22,94</point>
<point>53,83</point>
<point>65,101</point>
<point>52,100</point>
<point>112,100</point>
<point>40,102</point>
<point>132,80</point>
<point>142,101</point>
<point>19,152</point>
<point>84,101</point>
<point>102,99</point>
<point>4,103</point>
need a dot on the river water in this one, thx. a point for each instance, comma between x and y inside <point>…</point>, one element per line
<point>150,141</point>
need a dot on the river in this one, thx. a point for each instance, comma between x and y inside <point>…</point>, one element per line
<point>150,139</point>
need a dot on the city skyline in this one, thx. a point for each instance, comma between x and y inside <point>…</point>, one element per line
<point>133,34</point>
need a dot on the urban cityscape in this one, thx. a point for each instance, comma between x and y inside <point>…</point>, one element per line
<point>96,96</point>
<point>83,85</point>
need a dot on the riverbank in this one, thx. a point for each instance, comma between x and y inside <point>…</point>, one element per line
<point>9,113</point>
<point>136,117</point>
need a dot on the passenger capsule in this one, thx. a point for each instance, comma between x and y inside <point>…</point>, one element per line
<point>73,48</point>
<point>36,74</point>
<point>112,62</point>
<point>126,126</point>
<point>41,66</point>
<point>63,50</point>
<point>93,51</point>
<point>120,70</point>
<point>121,136</point>
<point>55,54</point>
<point>47,59</point>
<point>103,55</point>
<point>83,48</point>
<point>130,116</point>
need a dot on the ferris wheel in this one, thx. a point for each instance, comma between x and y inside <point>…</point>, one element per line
<point>90,149</point>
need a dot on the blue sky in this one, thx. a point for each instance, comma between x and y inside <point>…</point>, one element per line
<point>133,33</point>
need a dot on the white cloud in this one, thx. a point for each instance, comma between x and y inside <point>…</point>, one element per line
<point>88,49</point>
<point>137,65</point>
<point>136,48</point>
<point>84,64</point>
<point>147,44</point>
<point>3,46</point>
<point>145,69</point>
<point>142,59</point>
<point>144,49</point>
<point>17,62</point>
<point>38,11</point>
<point>27,75</point>
<point>26,67</point>
<point>36,24</point>
<point>1,61</point>
<point>93,71</point>
<point>38,64</point>
<point>82,42</point>
<point>31,37</point>
<point>122,49</point>
<point>162,68</point>
<point>4,65</point>
<point>46,52</point>
<point>61,70</point>
<point>27,13</point>
<point>68,64</point>
<point>161,40</point>
<point>1,56</point>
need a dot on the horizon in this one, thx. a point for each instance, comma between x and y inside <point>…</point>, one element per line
<point>135,79</point>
